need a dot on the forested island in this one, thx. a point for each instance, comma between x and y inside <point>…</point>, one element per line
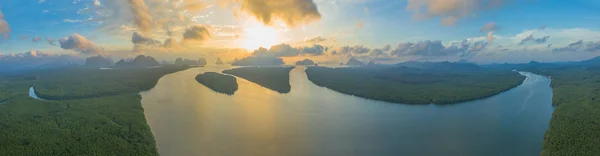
<point>274,78</point>
<point>574,128</point>
<point>401,84</point>
<point>218,82</point>
<point>93,112</point>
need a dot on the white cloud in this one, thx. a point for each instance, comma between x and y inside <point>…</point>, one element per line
<point>80,44</point>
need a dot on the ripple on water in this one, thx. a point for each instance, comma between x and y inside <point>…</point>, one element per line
<point>189,119</point>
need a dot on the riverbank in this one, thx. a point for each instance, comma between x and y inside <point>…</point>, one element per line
<point>574,126</point>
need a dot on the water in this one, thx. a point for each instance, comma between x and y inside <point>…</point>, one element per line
<point>33,95</point>
<point>187,118</point>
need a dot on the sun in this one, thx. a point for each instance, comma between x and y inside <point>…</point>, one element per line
<point>258,35</point>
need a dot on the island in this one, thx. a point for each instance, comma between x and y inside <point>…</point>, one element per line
<point>305,62</point>
<point>354,62</point>
<point>137,62</point>
<point>98,61</point>
<point>274,78</point>
<point>87,111</point>
<point>218,82</point>
<point>400,84</point>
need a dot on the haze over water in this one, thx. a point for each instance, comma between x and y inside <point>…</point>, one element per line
<point>188,118</point>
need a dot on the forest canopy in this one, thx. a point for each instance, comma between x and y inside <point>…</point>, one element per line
<point>401,84</point>
<point>218,82</point>
<point>274,78</point>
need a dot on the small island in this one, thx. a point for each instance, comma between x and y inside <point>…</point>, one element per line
<point>218,82</point>
<point>274,78</point>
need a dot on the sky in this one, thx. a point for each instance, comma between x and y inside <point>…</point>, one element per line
<point>481,31</point>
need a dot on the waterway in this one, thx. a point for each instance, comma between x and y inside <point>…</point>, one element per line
<point>188,118</point>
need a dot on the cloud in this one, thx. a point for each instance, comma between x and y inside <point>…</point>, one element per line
<point>36,39</point>
<point>350,50</point>
<point>137,38</point>
<point>34,53</point>
<point>317,39</point>
<point>4,27</point>
<point>359,25</point>
<point>145,16</point>
<point>464,48</point>
<point>379,54</point>
<point>280,50</point>
<point>530,38</point>
<point>491,26</point>
<point>290,12</point>
<point>51,41</point>
<point>423,48</point>
<point>142,18</point>
<point>575,46</point>
<point>490,36</point>
<point>171,43</point>
<point>593,47</point>
<point>560,37</point>
<point>450,11</point>
<point>314,50</point>
<point>196,33</point>
<point>80,44</point>
<point>286,50</point>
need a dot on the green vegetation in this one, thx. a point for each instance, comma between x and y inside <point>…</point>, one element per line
<point>98,112</point>
<point>575,125</point>
<point>218,82</point>
<point>79,83</point>
<point>415,86</point>
<point>274,78</point>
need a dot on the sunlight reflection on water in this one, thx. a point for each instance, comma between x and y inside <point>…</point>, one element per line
<point>189,119</point>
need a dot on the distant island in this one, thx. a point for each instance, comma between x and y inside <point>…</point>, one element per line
<point>98,61</point>
<point>274,78</point>
<point>354,62</point>
<point>219,61</point>
<point>139,61</point>
<point>259,61</point>
<point>181,61</point>
<point>402,84</point>
<point>218,82</point>
<point>305,62</point>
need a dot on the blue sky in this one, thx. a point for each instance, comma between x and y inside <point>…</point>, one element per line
<point>370,23</point>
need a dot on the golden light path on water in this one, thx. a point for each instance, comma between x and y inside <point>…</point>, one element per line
<point>188,118</point>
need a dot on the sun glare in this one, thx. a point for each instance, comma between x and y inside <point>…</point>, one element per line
<point>258,35</point>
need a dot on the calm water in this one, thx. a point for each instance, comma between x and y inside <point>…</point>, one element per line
<point>189,119</point>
